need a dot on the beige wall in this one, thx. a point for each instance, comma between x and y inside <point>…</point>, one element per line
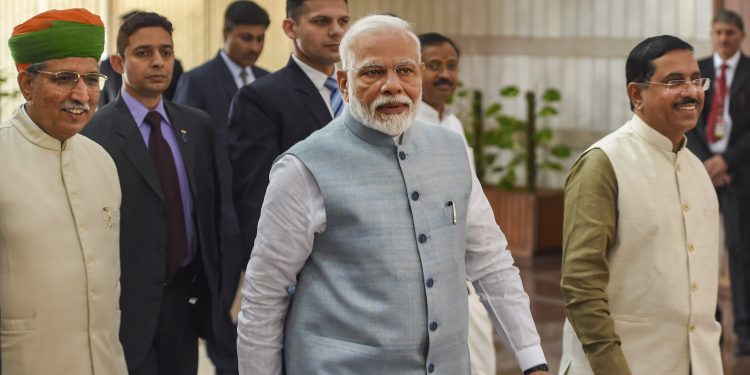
<point>198,28</point>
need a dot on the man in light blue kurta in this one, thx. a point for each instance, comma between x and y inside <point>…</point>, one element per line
<point>368,231</point>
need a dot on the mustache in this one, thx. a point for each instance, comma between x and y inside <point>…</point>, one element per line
<point>384,100</point>
<point>687,101</point>
<point>441,81</point>
<point>74,104</point>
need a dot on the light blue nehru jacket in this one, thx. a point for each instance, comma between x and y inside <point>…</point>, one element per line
<point>383,291</point>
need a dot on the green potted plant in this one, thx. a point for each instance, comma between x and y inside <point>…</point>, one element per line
<point>530,217</point>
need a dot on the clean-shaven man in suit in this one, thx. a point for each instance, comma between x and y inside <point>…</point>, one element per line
<point>211,87</point>
<point>164,157</point>
<point>114,80</point>
<point>277,111</point>
<point>722,141</point>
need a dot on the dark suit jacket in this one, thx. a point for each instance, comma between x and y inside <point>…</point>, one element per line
<point>142,221</point>
<point>211,87</point>
<point>737,155</point>
<point>266,118</point>
<point>114,82</point>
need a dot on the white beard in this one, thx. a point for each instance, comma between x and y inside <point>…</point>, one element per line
<point>392,125</point>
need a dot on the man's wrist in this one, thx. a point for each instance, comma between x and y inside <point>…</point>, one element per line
<point>541,367</point>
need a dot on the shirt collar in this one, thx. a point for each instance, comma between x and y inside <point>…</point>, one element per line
<point>235,69</point>
<point>652,136</point>
<point>428,114</point>
<point>139,111</point>
<point>34,134</point>
<point>731,62</point>
<point>317,77</point>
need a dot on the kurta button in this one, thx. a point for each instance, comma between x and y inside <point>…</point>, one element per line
<point>694,287</point>
<point>433,326</point>
<point>422,238</point>
<point>685,207</point>
<point>402,155</point>
<point>692,327</point>
<point>431,368</point>
<point>415,196</point>
<point>677,166</point>
<point>691,248</point>
<point>430,282</point>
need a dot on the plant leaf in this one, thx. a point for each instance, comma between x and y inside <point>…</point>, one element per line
<point>492,109</point>
<point>547,111</point>
<point>560,151</point>
<point>543,136</point>
<point>510,91</point>
<point>508,181</point>
<point>551,95</point>
<point>555,166</point>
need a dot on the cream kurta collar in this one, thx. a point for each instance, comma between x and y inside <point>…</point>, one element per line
<point>652,136</point>
<point>33,133</point>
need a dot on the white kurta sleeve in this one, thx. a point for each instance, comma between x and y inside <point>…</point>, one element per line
<point>489,265</point>
<point>293,211</point>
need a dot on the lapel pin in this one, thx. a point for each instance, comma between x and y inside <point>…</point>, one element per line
<point>184,134</point>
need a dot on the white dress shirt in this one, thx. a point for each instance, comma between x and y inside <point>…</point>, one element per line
<point>235,70</point>
<point>318,79</point>
<point>294,211</point>
<point>720,145</point>
<point>429,115</point>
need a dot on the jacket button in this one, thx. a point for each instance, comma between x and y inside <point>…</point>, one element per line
<point>433,326</point>
<point>431,368</point>
<point>422,238</point>
<point>430,282</point>
<point>161,250</point>
<point>402,155</point>
<point>415,196</point>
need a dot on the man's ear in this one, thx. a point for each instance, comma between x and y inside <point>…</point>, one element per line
<point>341,78</point>
<point>24,83</point>
<point>288,26</point>
<point>635,91</point>
<point>118,63</point>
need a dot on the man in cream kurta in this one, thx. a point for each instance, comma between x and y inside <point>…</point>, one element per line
<point>640,257</point>
<point>59,210</point>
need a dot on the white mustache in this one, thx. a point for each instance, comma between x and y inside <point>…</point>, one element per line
<point>75,105</point>
<point>384,100</point>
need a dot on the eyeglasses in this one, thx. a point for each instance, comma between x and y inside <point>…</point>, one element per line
<point>93,81</point>
<point>701,84</point>
<point>406,72</point>
<point>436,66</point>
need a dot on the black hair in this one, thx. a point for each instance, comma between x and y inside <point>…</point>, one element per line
<point>294,8</point>
<point>639,66</point>
<point>245,13</point>
<point>136,22</point>
<point>730,17</point>
<point>431,39</point>
<point>125,16</point>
